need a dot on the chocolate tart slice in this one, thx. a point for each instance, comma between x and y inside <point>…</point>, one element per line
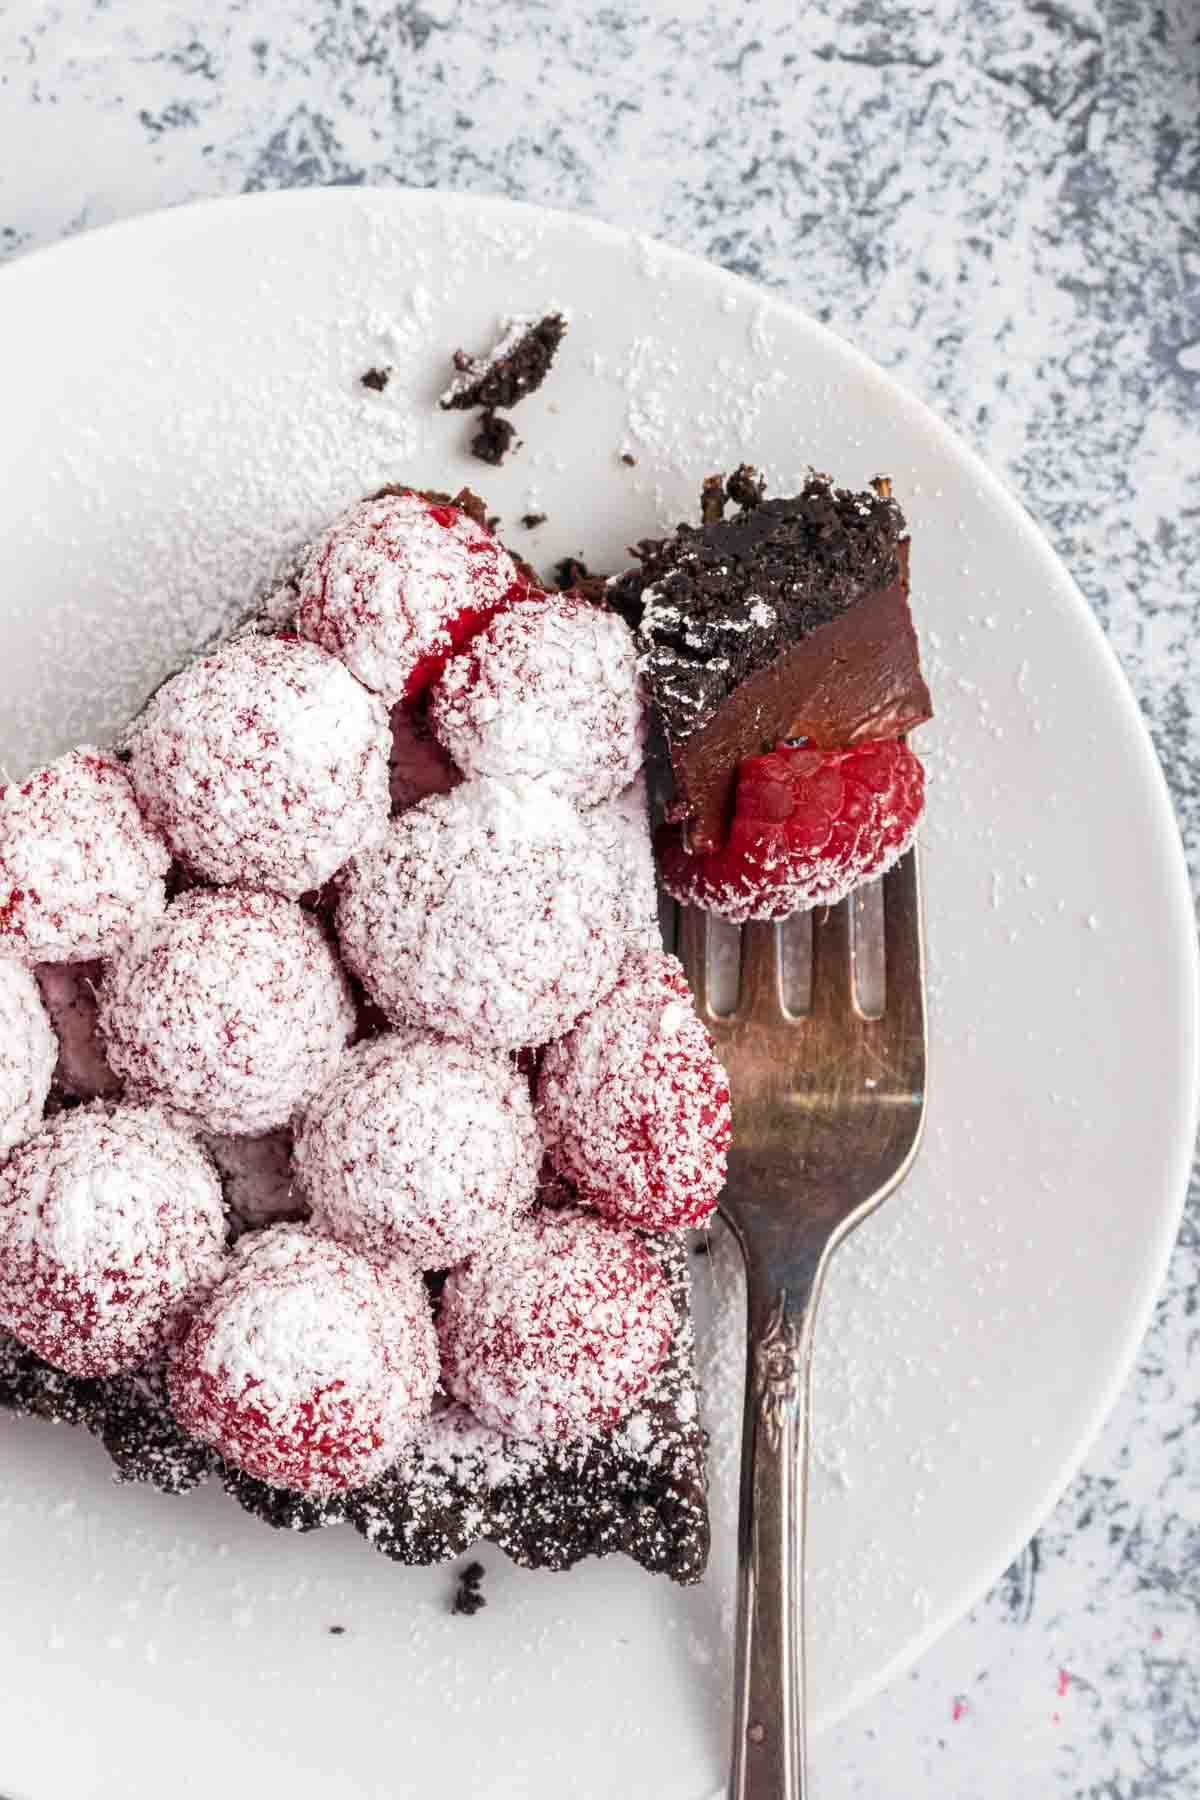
<point>788,618</point>
<point>639,1489</point>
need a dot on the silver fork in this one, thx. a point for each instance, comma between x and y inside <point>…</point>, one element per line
<point>828,1106</point>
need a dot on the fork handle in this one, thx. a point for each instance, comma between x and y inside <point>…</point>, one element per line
<point>768,1760</point>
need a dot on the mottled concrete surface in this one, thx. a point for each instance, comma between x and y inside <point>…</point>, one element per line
<point>998,201</point>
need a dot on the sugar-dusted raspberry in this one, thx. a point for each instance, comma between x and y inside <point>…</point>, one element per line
<point>69,993</point>
<point>111,1232</point>
<point>257,1179</point>
<point>548,692</point>
<point>421,1146</point>
<point>310,1367</point>
<point>396,584</point>
<point>418,765</point>
<point>231,1009</point>
<point>620,828</point>
<point>80,869</point>
<point>27,1053</point>
<point>487,914</point>
<point>633,1103</point>
<point>264,763</point>
<point>809,826</point>
<point>556,1329</point>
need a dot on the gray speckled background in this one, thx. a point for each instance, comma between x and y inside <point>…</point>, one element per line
<point>998,199</point>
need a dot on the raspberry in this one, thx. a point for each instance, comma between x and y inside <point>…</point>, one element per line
<point>548,692</point>
<point>396,584</point>
<point>231,1009</point>
<point>633,1104</point>
<point>27,1053</point>
<point>808,827</point>
<point>555,1330</point>
<point>483,917</point>
<point>264,763</point>
<point>309,1367</point>
<point>79,867</point>
<point>418,766</point>
<point>68,993</point>
<point>421,1147</point>
<point>111,1231</point>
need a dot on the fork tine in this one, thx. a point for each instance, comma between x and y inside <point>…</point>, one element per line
<point>691,947</point>
<point>832,969</point>
<point>902,927</point>
<point>760,994</point>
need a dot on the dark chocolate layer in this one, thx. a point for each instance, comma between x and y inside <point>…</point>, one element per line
<point>721,600</point>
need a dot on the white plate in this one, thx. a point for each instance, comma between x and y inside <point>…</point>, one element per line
<point>181,404</point>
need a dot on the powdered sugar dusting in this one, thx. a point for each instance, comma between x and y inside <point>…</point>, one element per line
<point>420,1146</point>
<point>557,1331</point>
<point>549,691</point>
<point>310,1367</point>
<point>27,1053</point>
<point>111,1227</point>
<point>620,828</point>
<point>265,762</point>
<point>79,867</point>
<point>383,588</point>
<point>633,1103</point>
<point>231,1009</point>
<point>486,914</point>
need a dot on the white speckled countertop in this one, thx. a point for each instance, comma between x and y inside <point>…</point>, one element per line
<point>1000,204</point>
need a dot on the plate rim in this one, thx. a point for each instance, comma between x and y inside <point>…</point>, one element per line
<point>947,439</point>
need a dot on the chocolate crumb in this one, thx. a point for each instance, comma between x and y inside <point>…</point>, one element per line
<point>531,521</point>
<point>337,1631</point>
<point>570,571</point>
<point>376,379</point>
<point>516,366</point>
<point>467,1598</point>
<point>712,500</point>
<point>493,440</point>
<point>746,487</point>
<point>493,523</point>
<point>629,460</point>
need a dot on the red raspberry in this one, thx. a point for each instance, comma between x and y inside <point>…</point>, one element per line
<point>809,826</point>
<point>419,1146</point>
<point>547,692</point>
<point>398,583</point>
<point>111,1232</point>
<point>231,1009</point>
<point>80,869</point>
<point>633,1104</point>
<point>555,1330</point>
<point>265,762</point>
<point>309,1367</point>
<point>485,915</point>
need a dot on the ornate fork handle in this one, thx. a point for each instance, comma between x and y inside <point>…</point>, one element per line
<point>768,1730</point>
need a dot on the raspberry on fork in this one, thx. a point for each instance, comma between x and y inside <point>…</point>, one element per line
<point>809,826</point>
